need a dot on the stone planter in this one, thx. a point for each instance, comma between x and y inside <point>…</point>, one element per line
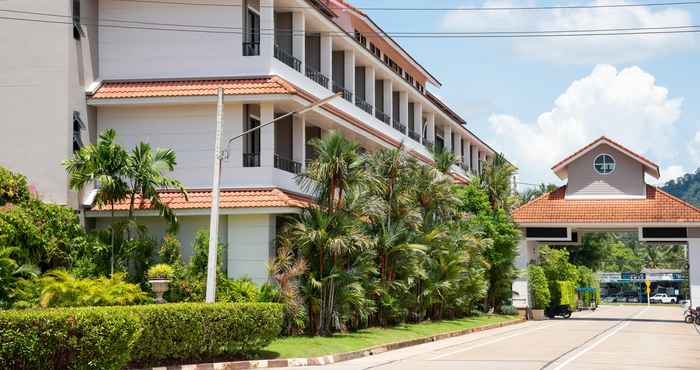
<point>538,315</point>
<point>159,287</point>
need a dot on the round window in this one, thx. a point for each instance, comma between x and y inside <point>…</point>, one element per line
<point>604,164</point>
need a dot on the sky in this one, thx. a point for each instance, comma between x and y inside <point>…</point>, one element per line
<point>538,99</point>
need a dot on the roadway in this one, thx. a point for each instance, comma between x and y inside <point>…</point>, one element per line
<point>613,337</point>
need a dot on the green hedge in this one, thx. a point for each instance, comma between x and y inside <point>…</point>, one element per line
<point>539,289</point>
<point>112,337</point>
<point>563,292</point>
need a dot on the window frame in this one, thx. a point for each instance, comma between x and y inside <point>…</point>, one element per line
<point>602,155</point>
<point>78,32</point>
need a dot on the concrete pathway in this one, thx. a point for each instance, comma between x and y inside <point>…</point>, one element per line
<point>613,337</point>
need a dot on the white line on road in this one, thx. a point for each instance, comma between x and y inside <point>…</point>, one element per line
<point>489,342</point>
<point>599,341</point>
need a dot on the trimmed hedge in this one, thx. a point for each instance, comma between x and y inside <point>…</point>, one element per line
<point>112,337</point>
<point>539,289</point>
<point>563,292</point>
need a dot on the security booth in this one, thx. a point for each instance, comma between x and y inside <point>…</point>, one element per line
<point>606,191</point>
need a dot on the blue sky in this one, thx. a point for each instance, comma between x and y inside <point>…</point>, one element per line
<point>537,100</point>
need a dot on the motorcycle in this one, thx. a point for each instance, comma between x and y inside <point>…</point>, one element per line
<point>692,315</point>
<point>563,310</point>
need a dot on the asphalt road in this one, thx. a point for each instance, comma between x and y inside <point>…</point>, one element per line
<point>613,337</point>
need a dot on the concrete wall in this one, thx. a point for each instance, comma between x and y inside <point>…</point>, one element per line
<point>694,264</point>
<point>626,181</point>
<point>527,252</point>
<point>250,246</point>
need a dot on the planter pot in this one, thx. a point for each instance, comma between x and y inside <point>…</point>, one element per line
<point>538,315</point>
<point>159,286</point>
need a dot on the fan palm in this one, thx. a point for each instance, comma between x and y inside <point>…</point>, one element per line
<point>495,178</point>
<point>444,159</point>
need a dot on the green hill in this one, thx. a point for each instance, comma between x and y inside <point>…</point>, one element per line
<point>686,187</point>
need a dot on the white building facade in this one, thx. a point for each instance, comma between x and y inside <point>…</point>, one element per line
<point>150,71</point>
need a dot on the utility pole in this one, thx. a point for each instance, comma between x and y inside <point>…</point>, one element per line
<point>214,221</point>
<point>219,155</point>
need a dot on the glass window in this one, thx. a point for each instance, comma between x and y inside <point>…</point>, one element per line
<point>251,45</point>
<point>604,164</point>
<point>77,29</point>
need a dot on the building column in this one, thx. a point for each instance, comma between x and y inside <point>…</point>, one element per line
<point>388,99</point>
<point>458,147</point>
<point>267,135</point>
<point>474,161</point>
<point>267,22</point>
<point>370,86</point>
<point>447,136</point>
<point>694,265</point>
<point>350,72</point>
<point>418,120</point>
<point>299,140</point>
<point>327,57</point>
<point>466,158</point>
<point>527,251</point>
<point>430,124</point>
<point>403,110</point>
<point>299,38</point>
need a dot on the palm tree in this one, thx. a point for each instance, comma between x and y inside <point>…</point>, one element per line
<point>105,165</point>
<point>495,177</point>
<point>444,159</point>
<point>536,192</point>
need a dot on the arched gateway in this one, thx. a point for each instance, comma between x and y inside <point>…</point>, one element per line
<point>606,191</point>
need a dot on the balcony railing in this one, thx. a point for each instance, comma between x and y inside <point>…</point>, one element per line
<point>399,126</point>
<point>382,116</point>
<point>317,76</point>
<point>251,159</point>
<point>414,135</point>
<point>347,95</point>
<point>287,58</point>
<point>288,165</point>
<point>251,48</point>
<point>362,104</point>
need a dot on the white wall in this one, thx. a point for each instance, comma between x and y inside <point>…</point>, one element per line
<point>250,246</point>
<point>527,251</point>
<point>627,179</point>
<point>694,264</point>
<point>137,53</point>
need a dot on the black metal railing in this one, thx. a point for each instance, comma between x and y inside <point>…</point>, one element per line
<point>362,104</point>
<point>288,165</point>
<point>287,58</point>
<point>347,95</point>
<point>317,76</point>
<point>251,48</point>
<point>399,126</point>
<point>382,116</point>
<point>251,159</point>
<point>414,135</point>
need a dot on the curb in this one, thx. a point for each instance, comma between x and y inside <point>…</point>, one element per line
<point>331,359</point>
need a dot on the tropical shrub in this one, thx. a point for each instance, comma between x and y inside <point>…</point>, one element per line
<point>85,338</point>
<point>160,271</point>
<point>539,288</point>
<point>237,291</point>
<point>563,293</point>
<point>170,250</point>
<point>13,187</point>
<point>11,274</point>
<point>509,310</point>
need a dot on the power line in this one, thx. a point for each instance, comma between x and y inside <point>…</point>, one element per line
<point>415,35</point>
<point>464,9</point>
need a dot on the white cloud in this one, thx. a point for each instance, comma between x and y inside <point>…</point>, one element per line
<point>670,173</point>
<point>625,105</point>
<point>694,149</point>
<point>580,50</point>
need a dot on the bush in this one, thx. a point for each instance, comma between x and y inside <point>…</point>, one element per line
<point>509,310</point>
<point>563,293</point>
<point>196,331</point>
<point>161,271</point>
<point>539,290</point>
<point>112,337</point>
<point>238,291</point>
<point>170,250</point>
<point>85,338</point>
<point>13,187</point>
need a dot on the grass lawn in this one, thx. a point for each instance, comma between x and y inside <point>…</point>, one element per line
<point>318,346</point>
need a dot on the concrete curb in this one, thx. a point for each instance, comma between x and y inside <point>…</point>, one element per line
<point>330,359</point>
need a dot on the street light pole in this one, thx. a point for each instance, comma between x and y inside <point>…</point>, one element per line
<point>219,155</point>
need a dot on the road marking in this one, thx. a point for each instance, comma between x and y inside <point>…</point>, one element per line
<point>601,340</point>
<point>489,342</point>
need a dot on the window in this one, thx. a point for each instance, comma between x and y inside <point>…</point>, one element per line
<point>251,43</point>
<point>78,126</point>
<point>77,29</point>
<point>375,50</point>
<point>604,164</point>
<point>360,38</point>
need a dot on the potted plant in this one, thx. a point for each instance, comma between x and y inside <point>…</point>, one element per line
<point>539,291</point>
<point>159,276</point>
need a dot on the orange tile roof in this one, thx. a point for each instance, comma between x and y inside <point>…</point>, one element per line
<point>657,207</point>
<point>240,198</point>
<point>153,89</point>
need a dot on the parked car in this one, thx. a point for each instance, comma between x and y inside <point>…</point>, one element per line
<point>662,298</point>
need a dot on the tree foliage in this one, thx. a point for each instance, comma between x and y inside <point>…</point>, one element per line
<point>686,187</point>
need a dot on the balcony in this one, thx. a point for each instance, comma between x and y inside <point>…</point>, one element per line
<point>287,58</point>
<point>288,165</point>
<point>317,76</point>
<point>347,95</point>
<point>414,135</point>
<point>362,104</point>
<point>251,159</point>
<point>251,48</point>
<point>399,126</point>
<point>382,117</point>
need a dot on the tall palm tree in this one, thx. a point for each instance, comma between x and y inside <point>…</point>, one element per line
<point>495,177</point>
<point>105,165</point>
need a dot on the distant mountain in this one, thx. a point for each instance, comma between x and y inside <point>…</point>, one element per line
<point>686,187</point>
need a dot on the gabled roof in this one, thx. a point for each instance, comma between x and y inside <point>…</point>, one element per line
<point>649,167</point>
<point>657,207</point>
<point>238,198</point>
